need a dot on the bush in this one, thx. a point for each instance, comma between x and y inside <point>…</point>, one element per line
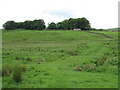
<point>17,73</point>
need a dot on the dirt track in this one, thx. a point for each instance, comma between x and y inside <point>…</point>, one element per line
<point>101,34</point>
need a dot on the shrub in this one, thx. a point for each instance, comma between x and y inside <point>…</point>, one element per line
<point>17,76</point>
<point>17,73</point>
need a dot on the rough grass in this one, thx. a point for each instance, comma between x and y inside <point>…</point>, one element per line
<point>62,59</point>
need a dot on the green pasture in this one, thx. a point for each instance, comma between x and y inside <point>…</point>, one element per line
<point>60,59</point>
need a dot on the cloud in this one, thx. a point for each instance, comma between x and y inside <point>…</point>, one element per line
<point>60,13</point>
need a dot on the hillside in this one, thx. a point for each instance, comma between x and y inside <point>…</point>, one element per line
<point>61,59</point>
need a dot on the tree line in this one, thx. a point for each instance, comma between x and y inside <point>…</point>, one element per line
<point>68,24</point>
<point>30,25</point>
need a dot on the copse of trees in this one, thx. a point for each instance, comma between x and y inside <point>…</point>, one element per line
<point>52,26</point>
<point>70,24</point>
<point>30,25</point>
<point>10,25</point>
<point>67,24</point>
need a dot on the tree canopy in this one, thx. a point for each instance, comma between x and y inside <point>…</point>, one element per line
<point>30,25</point>
<point>67,24</point>
<point>52,25</point>
<point>10,25</point>
<point>79,23</point>
<point>70,24</point>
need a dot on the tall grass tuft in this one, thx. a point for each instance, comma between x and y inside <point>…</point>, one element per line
<point>17,73</point>
<point>6,70</point>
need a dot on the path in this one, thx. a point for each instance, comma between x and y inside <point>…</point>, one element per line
<point>102,34</point>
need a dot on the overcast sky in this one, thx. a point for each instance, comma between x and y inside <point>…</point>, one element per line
<point>100,13</point>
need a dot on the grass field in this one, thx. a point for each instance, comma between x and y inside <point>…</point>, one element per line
<point>61,59</point>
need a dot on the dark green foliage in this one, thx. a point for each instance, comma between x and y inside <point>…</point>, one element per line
<point>59,25</point>
<point>17,76</point>
<point>17,73</point>
<point>20,25</point>
<point>27,25</point>
<point>38,24</point>
<point>31,25</point>
<point>10,25</point>
<point>52,25</point>
<point>70,24</point>
<point>34,25</point>
<point>65,24</point>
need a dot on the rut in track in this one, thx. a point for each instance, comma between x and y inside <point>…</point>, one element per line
<point>101,34</point>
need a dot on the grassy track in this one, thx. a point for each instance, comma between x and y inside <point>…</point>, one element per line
<point>61,59</point>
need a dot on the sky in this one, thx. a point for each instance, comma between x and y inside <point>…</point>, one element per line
<point>100,13</point>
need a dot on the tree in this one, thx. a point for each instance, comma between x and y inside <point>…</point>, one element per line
<point>59,25</point>
<point>19,25</point>
<point>36,24</point>
<point>10,25</point>
<point>81,23</point>
<point>84,24</point>
<point>27,25</point>
<point>72,23</point>
<point>52,25</point>
<point>65,25</point>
